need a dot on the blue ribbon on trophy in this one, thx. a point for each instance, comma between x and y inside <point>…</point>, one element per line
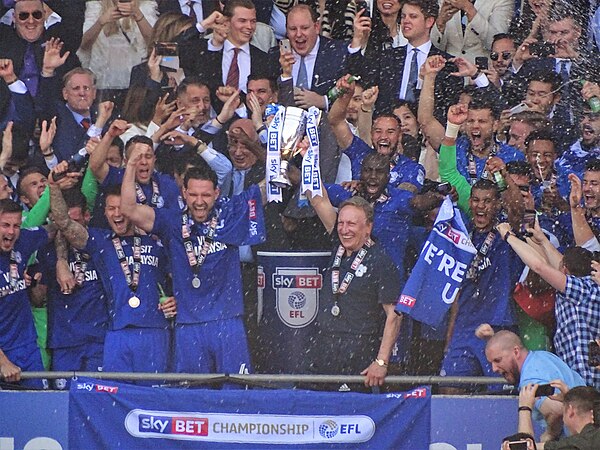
<point>311,174</point>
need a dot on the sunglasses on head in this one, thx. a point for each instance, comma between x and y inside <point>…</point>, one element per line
<point>37,15</point>
<point>505,55</point>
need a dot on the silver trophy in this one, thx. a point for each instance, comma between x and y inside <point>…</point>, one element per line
<point>292,132</point>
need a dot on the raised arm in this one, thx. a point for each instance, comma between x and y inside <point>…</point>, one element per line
<point>581,229</point>
<point>337,114</point>
<point>324,209</point>
<point>142,216</point>
<point>98,164</point>
<point>430,127</point>
<point>75,233</point>
<point>531,258</point>
<point>365,113</point>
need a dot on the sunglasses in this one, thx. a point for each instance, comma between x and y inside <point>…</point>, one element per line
<point>505,55</point>
<point>37,15</point>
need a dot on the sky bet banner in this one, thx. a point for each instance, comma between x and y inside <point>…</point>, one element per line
<point>442,266</point>
<point>106,415</point>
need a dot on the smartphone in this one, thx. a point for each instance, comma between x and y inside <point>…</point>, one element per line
<point>594,354</point>
<point>166,48</point>
<point>168,90</point>
<point>362,4</point>
<point>444,188</point>
<point>544,390</point>
<point>528,222</point>
<point>542,49</point>
<point>521,107</point>
<point>481,62</point>
<point>517,445</point>
<point>285,46</point>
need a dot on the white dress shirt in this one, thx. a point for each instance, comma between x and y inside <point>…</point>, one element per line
<point>421,57</point>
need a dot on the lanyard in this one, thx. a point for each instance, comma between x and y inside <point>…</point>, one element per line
<point>81,262</point>
<point>196,262</point>
<point>142,197</point>
<point>132,280</point>
<point>472,165</point>
<point>337,262</point>
<point>481,261</point>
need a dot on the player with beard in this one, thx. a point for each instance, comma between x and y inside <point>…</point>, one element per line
<point>131,267</point>
<point>477,145</point>
<point>203,241</point>
<point>510,359</point>
<point>385,135</point>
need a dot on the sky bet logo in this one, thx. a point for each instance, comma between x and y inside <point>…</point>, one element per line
<point>189,426</point>
<point>297,281</point>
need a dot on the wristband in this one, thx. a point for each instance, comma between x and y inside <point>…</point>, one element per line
<point>525,408</point>
<point>199,145</point>
<point>365,110</point>
<point>261,129</point>
<point>141,18</point>
<point>452,130</point>
<point>507,234</point>
<point>474,77</point>
<point>217,119</point>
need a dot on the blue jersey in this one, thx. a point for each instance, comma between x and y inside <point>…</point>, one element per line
<point>16,320</point>
<point>124,313</point>
<point>391,225</point>
<point>405,170</point>
<point>169,195</point>
<point>220,295</point>
<point>505,152</point>
<point>489,299</point>
<point>80,317</point>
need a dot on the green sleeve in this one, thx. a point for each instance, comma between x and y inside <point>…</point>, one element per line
<point>89,188</point>
<point>449,173</point>
<point>36,217</point>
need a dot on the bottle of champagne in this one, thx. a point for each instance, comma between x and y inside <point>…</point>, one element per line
<point>593,102</point>
<point>334,93</point>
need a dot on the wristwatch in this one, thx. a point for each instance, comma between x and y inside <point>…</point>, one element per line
<point>380,362</point>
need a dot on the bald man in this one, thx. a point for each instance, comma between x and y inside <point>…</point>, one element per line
<point>509,358</point>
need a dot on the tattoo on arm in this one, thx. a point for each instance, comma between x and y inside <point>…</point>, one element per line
<point>72,231</point>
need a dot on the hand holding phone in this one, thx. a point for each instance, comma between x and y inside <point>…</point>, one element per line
<point>285,46</point>
<point>544,390</point>
<point>481,62</point>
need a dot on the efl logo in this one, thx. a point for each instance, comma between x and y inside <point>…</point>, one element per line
<point>407,301</point>
<point>252,209</point>
<point>186,426</point>
<point>297,294</point>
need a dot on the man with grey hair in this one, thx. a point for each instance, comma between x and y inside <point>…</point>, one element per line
<point>358,297</point>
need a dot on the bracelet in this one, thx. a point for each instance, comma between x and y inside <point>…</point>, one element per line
<point>217,119</point>
<point>137,21</point>
<point>452,130</point>
<point>474,77</point>
<point>507,234</point>
<point>365,110</point>
<point>261,129</point>
<point>525,408</point>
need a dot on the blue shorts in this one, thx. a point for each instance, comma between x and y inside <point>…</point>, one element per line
<point>136,350</point>
<point>29,359</point>
<point>84,358</point>
<point>219,346</point>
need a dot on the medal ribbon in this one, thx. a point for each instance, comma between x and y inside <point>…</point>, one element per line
<point>481,261</point>
<point>472,166</point>
<point>81,262</point>
<point>132,279</point>
<point>141,197</point>
<point>194,261</point>
<point>335,268</point>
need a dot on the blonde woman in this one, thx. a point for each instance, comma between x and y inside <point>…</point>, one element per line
<point>116,35</point>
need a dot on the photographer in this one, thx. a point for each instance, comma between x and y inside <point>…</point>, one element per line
<point>578,416</point>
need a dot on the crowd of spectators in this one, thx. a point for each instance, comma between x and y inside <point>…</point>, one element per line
<point>496,102</point>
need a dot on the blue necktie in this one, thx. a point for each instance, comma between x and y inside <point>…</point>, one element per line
<point>238,181</point>
<point>302,81</point>
<point>411,87</point>
<point>30,72</point>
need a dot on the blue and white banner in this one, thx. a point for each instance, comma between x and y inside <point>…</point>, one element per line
<point>274,157</point>
<point>104,414</point>
<point>311,171</point>
<point>442,266</point>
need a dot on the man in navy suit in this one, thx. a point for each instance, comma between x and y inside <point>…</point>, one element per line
<point>231,59</point>
<point>396,70</point>
<point>318,61</point>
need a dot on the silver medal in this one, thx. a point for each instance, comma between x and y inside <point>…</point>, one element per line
<point>335,310</point>
<point>196,282</point>
<point>134,302</point>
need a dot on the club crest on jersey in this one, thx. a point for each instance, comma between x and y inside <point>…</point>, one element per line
<point>297,294</point>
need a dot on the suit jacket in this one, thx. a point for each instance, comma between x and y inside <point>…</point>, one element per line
<point>263,8</point>
<point>330,64</point>
<point>386,72</point>
<point>493,17</point>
